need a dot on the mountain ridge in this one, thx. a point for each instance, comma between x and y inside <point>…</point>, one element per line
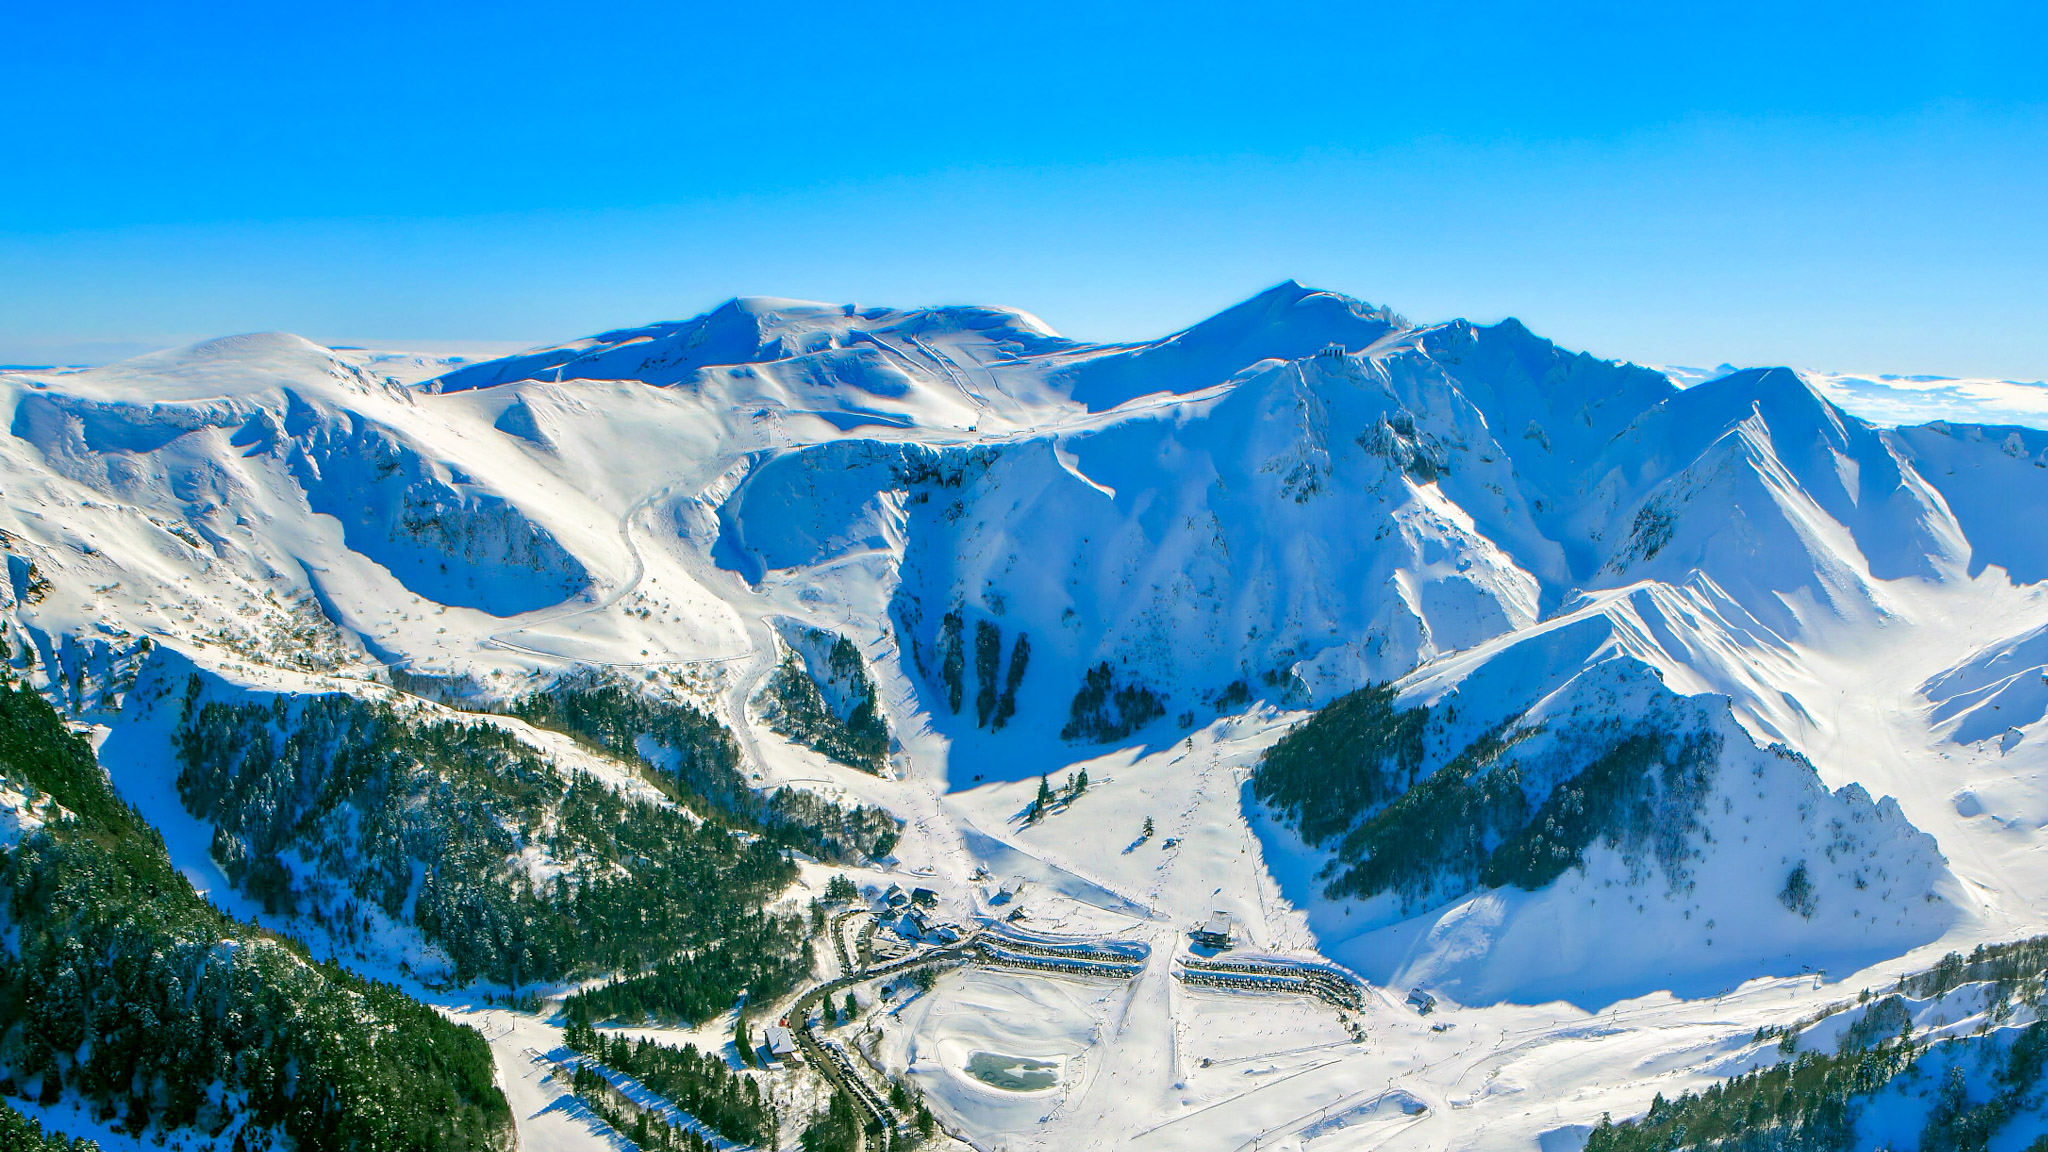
<point>928,562</point>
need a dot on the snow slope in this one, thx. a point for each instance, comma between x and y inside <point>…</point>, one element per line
<point>1224,527</point>
<point>1695,897</point>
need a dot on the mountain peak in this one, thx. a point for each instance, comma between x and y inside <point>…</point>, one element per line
<point>223,366</point>
<point>1284,322</point>
<point>1294,305</point>
<point>1779,391</point>
<point>882,588</point>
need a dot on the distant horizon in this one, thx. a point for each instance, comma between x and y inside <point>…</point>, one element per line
<point>96,355</point>
<point>475,350</point>
<point>1860,188</point>
<point>1883,398</point>
<point>17,355</point>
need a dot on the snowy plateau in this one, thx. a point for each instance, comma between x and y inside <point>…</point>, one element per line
<point>1678,700</point>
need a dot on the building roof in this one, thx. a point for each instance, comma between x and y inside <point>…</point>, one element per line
<point>1218,925</point>
<point>780,1042</point>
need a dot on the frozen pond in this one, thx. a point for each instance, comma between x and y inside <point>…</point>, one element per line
<point>1013,1073</point>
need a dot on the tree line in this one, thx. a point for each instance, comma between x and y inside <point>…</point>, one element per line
<point>526,873</point>
<point>700,1084</point>
<point>702,768</point>
<point>1353,774</point>
<point>128,989</point>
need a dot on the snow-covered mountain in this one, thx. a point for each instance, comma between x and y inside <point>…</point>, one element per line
<point>1673,688</point>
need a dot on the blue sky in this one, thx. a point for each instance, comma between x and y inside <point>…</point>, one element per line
<point>1857,187</point>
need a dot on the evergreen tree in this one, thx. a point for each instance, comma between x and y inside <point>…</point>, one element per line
<point>988,652</point>
<point>952,661</point>
<point>796,707</point>
<point>702,767</point>
<point>129,989</point>
<point>375,798</point>
<point>836,1129</point>
<point>18,1133</point>
<point>1006,706</point>
<point>1040,802</point>
<point>1103,711</point>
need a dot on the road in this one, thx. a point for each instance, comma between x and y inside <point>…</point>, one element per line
<point>831,1060</point>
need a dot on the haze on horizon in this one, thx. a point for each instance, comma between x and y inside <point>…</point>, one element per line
<point>1855,189</point>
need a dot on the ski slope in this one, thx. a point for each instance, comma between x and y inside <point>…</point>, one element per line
<point>1235,524</point>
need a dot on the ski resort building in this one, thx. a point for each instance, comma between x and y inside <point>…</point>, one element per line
<point>781,1044</point>
<point>1216,932</point>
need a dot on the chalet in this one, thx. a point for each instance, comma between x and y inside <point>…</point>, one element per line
<point>1422,1002</point>
<point>896,897</point>
<point>1216,932</point>
<point>781,1044</point>
<point>924,897</point>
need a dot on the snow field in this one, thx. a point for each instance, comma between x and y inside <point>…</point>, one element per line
<point>1501,523</point>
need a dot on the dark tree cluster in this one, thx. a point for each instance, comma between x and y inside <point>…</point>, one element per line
<point>702,1085</point>
<point>988,656</point>
<point>18,1133</point>
<point>704,769</point>
<point>995,695</point>
<point>798,709</point>
<point>1353,774</point>
<point>837,1128</point>
<point>1811,1103</point>
<point>952,660</point>
<point>2008,967</point>
<point>1103,710</point>
<point>1006,704</point>
<point>866,728</point>
<point>703,760</point>
<point>376,798</point>
<point>1806,1104</point>
<point>1351,758</point>
<point>761,954</point>
<point>124,987</point>
<point>646,1131</point>
<point>833,831</point>
<point>994,707</point>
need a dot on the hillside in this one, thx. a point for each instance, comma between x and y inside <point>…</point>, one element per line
<point>129,992</point>
<point>1611,712</point>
